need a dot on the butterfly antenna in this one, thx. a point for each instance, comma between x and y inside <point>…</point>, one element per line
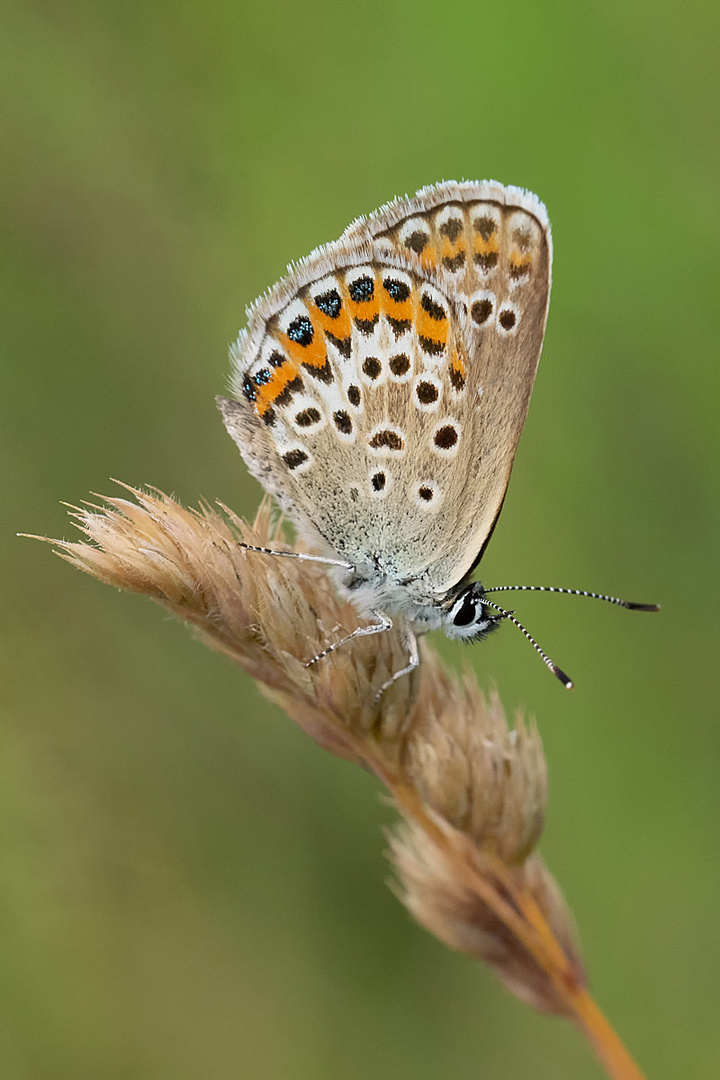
<point>630,604</point>
<point>557,672</point>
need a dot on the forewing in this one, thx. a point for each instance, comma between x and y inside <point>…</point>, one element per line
<point>355,404</point>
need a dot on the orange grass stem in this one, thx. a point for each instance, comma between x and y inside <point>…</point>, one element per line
<point>608,1046</point>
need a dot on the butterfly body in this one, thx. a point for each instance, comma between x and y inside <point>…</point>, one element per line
<point>381,387</point>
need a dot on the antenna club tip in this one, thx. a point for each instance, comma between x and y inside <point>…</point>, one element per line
<point>641,607</point>
<point>564,679</point>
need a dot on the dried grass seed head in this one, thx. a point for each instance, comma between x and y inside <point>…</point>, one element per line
<point>268,613</point>
<point>485,779</point>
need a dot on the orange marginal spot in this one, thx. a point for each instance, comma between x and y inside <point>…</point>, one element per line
<point>397,309</point>
<point>312,355</point>
<point>520,263</point>
<point>451,248</point>
<point>429,255</point>
<point>457,365</point>
<point>268,394</point>
<point>434,329</point>
<point>367,310</point>
<point>339,327</point>
<point>490,246</point>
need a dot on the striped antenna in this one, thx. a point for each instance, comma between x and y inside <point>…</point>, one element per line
<point>557,672</point>
<point>630,604</point>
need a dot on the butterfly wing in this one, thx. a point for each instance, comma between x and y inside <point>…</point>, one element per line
<point>350,386</point>
<point>490,247</point>
<point>381,387</point>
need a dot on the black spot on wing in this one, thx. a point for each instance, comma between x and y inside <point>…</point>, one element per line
<point>486,260</point>
<point>486,226</point>
<point>322,374</point>
<point>398,291</point>
<point>417,241</point>
<point>301,331</point>
<point>445,437</point>
<point>372,367</point>
<point>307,417</point>
<point>387,439</point>
<point>452,229</point>
<point>431,346</point>
<point>454,262</point>
<point>426,393</point>
<point>329,303</point>
<point>294,458</point>
<point>400,364</point>
<point>398,326</point>
<point>481,311</point>
<point>342,422</point>
<point>362,289</point>
<point>366,326</point>
<point>435,311</point>
<point>457,378</point>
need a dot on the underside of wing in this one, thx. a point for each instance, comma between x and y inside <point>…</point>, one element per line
<point>381,388</point>
<point>356,408</point>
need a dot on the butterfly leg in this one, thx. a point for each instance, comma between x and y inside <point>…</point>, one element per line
<point>380,627</point>
<point>413,662</point>
<point>297,555</point>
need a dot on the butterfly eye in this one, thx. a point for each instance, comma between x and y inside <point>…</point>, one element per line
<point>468,618</point>
<point>466,613</point>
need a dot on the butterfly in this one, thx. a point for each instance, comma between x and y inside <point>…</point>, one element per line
<point>379,393</point>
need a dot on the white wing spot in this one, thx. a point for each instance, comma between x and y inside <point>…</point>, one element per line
<point>272,354</point>
<point>324,285</point>
<point>524,231</point>
<point>486,219</point>
<point>356,274</point>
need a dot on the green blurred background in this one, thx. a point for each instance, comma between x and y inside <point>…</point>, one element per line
<point>189,888</point>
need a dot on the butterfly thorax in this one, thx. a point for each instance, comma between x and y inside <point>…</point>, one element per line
<point>412,600</point>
